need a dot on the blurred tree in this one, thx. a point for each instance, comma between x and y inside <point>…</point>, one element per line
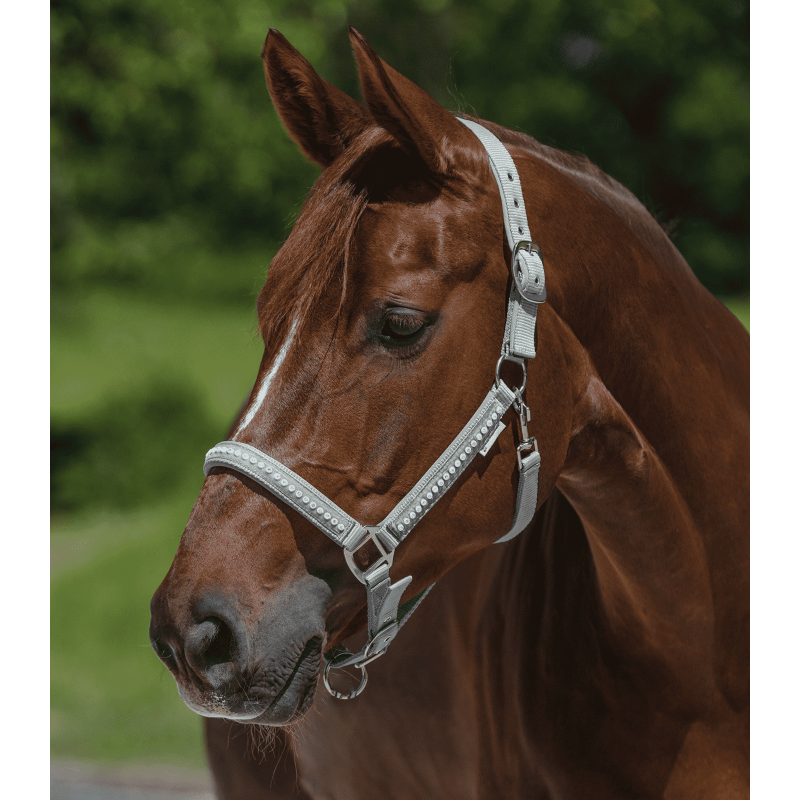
<point>171,174</point>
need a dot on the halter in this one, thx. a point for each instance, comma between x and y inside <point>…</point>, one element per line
<point>385,615</point>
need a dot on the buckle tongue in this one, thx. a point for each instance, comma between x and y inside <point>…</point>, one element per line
<point>527,268</point>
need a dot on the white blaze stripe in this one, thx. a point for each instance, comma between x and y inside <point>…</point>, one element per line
<point>266,382</point>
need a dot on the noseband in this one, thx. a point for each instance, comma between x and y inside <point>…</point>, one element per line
<point>385,615</point>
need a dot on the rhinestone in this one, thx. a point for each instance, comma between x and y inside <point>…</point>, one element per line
<point>298,493</point>
<point>479,436</point>
<point>499,409</point>
<point>237,452</point>
<point>291,487</point>
<point>429,495</point>
<point>435,488</point>
<point>305,499</point>
<point>468,449</point>
<point>261,465</point>
<point>446,476</point>
<point>452,470</point>
<point>419,509</point>
<point>423,502</point>
<point>483,429</point>
<point>473,443</point>
<point>253,460</point>
<point>245,457</point>
<point>320,510</point>
<point>340,527</point>
<point>284,482</point>
<point>406,520</point>
<point>313,504</point>
<point>326,515</point>
<point>440,482</point>
<point>334,521</point>
<point>494,417</point>
<point>463,456</point>
<point>276,476</point>
<point>268,468</point>
<point>412,515</point>
<point>401,527</point>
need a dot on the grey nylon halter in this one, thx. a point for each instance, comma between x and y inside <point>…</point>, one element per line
<point>385,615</point>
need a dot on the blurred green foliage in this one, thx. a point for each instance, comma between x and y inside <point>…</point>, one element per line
<point>131,450</point>
<point>168,157</point>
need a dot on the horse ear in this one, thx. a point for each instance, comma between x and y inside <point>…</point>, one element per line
<point>320,118</point>
<point>419,124</point>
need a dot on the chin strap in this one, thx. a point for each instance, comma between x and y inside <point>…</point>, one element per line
<point>385,614</point>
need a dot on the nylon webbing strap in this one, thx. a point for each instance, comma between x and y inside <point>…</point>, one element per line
<point>527,495</point>
<point>482,430</point>
<point>285,485</point>
<point>527,268</point>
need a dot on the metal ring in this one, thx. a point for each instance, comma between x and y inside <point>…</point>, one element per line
<point>354,693</point>
<point>518,362</point>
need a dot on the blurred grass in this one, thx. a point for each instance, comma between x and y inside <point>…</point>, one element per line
<point>112,700</point>
<point>104,341</point>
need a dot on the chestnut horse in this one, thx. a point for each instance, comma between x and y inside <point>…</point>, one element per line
<point>603,652</point>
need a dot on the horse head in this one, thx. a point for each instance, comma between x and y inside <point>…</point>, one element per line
<point>382,318</point>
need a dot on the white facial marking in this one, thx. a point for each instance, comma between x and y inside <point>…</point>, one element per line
<point>266,382</point>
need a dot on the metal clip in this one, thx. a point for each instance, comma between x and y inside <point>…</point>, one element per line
<point>526,446</point>
<point>370,534</point>
<point>524,413</point>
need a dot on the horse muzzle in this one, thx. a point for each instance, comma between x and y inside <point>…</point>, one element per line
<point>262,673</point>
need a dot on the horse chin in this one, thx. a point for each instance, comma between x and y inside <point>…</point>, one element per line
<point>253,705</point>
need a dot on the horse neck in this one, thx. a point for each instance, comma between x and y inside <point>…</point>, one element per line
<point>659,423</point>
<point>670,354</point>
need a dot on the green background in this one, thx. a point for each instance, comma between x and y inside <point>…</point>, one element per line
<point>173,185</point>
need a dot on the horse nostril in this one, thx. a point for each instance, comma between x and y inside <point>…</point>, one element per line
<point>210,643</point>
<point>220,648</point>
<point>163,650</point>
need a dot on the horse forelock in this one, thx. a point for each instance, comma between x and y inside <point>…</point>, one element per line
<point>313,262</point>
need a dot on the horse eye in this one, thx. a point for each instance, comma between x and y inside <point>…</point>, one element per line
<point>400,326</point>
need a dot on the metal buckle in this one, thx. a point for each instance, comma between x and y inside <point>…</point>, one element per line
<point>386,556</point>
<point>529,247</point>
